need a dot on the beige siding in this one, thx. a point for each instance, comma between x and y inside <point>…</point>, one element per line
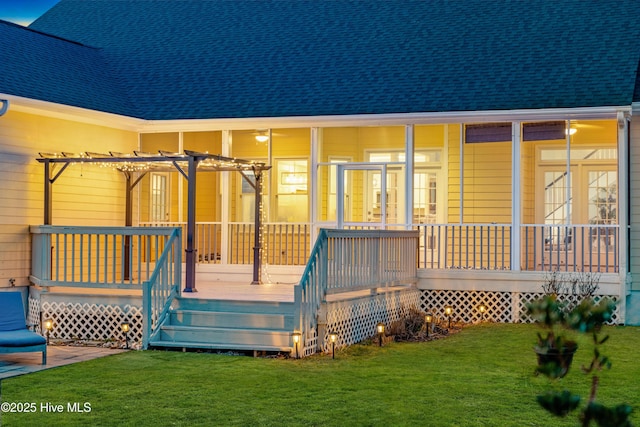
<point>634,202</point>
<point>82,195</point>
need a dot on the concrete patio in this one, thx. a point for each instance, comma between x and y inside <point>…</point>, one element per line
<point>15,364</point>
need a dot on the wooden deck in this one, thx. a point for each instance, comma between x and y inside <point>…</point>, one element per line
<point>276,292</point>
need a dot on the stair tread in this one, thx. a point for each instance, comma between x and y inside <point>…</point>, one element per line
<point>226,346</point>
<point>222,328</point>
<point>239,313</point>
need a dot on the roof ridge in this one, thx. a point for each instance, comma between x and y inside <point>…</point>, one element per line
<point>22,27</point>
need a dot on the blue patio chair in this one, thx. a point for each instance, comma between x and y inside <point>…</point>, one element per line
<point>15,337</point>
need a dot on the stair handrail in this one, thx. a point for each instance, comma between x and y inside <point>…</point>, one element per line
<point>388,258</point>
<point>162,287</point>
<point>311,290</point>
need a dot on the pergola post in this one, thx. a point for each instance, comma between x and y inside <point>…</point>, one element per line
<point>128,222</point>
<point>257,235</point>
<point>190,259</point>
<point>47,193</point>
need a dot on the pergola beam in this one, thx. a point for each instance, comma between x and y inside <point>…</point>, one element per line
<point>165,161</point>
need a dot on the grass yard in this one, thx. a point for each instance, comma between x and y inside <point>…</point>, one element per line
<point>482,376</point>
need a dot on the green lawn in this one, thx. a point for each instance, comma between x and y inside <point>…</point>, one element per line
<point>481,376</point>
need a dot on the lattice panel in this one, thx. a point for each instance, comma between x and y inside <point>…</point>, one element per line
<point>527,297</point>
<point>355,320</point>
<point>311,343</point>
<point>33,315</point>
<point>502,307</point>
<point>97,322</point>
<point>465,305</point>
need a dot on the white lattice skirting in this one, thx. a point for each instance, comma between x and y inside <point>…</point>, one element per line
<point>96,322</point>
<point>503,307</point>
<point>355,320</point>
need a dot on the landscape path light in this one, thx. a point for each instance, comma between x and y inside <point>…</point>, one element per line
<point>380,330</point>
<point>428,318</point>
<point>126,327</point>
<point>296,340</point>
<point>48,326</point>
<point>333,337</point>
<point>482,308</point>
<point>448,311</point>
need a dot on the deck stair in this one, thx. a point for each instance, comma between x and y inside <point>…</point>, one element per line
<point>247,326</point>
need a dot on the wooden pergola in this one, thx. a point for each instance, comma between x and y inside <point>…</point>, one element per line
<point>135,166</point>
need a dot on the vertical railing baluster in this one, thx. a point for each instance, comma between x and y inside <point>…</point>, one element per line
<point>66,255</point>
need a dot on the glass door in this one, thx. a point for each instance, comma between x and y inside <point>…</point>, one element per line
<point>364,203</point>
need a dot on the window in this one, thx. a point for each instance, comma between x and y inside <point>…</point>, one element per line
<point>159,192</point>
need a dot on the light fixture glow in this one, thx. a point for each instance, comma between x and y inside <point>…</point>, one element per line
<point>262,138</point>
<point>125,326</point>
<point>380,330</point>
<point>333,337</point>
<point>296,339</point>
<point>48,326</point>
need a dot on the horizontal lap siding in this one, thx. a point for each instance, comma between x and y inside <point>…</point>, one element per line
<point>83,194</point>
<point>635,201</point>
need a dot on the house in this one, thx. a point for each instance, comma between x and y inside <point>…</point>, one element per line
<point>504,134</point>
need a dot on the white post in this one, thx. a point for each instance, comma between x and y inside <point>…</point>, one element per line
<point>225,191</point>
<point>409,134</point>
<point>180,183</point>
<point>623,209</point>
<point>314,215</point>
<point>461,173</point>
<point>516,195</point>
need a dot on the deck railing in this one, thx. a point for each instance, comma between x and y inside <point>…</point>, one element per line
<point>96,257</point>
<point>283,243</point>
<point>465,246</point>
<point>593,248</point>
<point>162,287</point>
<point>353,260</point>
<point>588,247</point>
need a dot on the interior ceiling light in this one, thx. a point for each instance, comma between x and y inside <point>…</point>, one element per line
<point>262,137</point>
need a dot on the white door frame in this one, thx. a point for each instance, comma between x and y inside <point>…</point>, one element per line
<point>340,193</point>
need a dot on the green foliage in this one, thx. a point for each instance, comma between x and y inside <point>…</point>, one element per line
<point>618,416</point>
<point>589,316</point>
<point>555,352</point>
<point>559,403</point>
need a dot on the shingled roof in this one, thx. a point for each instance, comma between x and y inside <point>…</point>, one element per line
<point>267,58</point>
<point>47,68</point>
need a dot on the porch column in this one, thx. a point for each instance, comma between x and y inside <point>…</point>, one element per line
<point>190,259</point>
<point>624,198</point>
<point>225,194</point>
<point>516,196</point>
<point>409,135</point>
<point>314,216</point>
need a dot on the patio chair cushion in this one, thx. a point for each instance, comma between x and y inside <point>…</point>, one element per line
<point>12,310</point>
<point>21,338</point>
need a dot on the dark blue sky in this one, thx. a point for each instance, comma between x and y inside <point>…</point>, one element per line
<point>23,12</point>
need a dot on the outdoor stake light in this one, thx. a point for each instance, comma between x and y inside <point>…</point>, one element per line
<point>48,326</point>
<point>428,318</point>
<point>448,311</point>
<point>380,329</point>
<point>296,339</point>
<point>125,326</point>
<point>333,337</point>
<point>482,309</point>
